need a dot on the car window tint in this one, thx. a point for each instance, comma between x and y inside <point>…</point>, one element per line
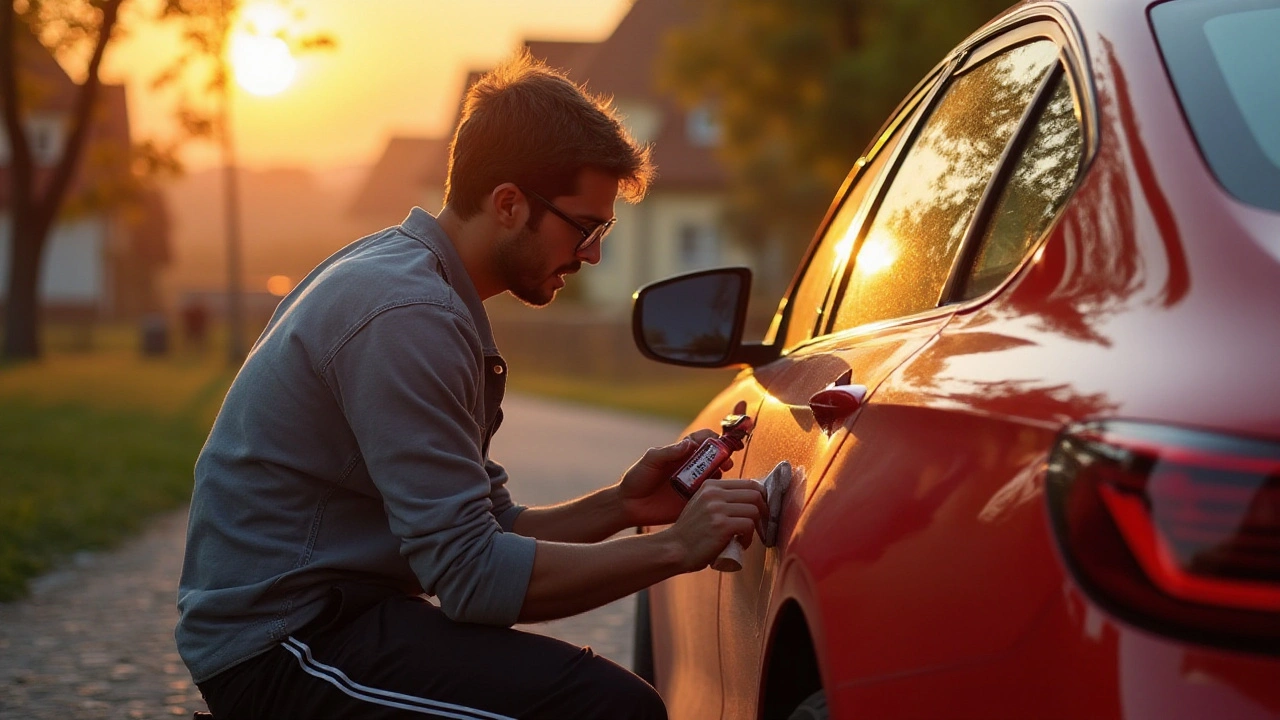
<point>833,250</point>
<point>903,261</point>
<point>1223,58</point>
<point>1035,192</point>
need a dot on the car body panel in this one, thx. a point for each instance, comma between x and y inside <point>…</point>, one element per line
<point>786,430</point>
<point>917,544</point>
<point>687,657</point>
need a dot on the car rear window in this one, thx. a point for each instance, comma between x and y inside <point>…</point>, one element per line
<point>1224,58</point>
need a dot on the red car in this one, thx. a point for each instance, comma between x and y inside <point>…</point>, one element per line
<point>1056,272</point>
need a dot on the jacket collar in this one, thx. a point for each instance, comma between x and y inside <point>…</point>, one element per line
<point>421,226</point>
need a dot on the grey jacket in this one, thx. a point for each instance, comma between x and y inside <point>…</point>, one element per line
<point>353,445</point>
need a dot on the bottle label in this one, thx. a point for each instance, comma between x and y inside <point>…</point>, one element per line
<point>696,469</point>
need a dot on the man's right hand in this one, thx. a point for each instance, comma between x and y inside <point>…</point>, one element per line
<point>719,510</point>
<point>569,578</point>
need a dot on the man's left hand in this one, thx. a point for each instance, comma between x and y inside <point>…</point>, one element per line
<point>647,495</point>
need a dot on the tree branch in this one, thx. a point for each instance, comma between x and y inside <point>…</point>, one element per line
<point>56,190</point>
<point>20,163</point>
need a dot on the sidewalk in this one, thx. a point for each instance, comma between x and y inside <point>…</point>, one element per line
<point>95,640</point>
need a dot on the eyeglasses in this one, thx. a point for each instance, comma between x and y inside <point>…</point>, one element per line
<point>590,236</point>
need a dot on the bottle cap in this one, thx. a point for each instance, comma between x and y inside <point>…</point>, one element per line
<point>735,429</point>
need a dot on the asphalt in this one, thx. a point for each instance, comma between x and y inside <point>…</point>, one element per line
<point>94,640</point>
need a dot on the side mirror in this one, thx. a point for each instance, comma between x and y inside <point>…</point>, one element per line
<point>694,319</point>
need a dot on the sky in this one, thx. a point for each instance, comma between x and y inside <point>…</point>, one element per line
<point>398,69</point>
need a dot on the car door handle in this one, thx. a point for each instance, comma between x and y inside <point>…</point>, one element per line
<point>834,404</point>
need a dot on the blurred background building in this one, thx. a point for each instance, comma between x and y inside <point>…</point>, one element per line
<point>106,254</point>
<point>679,227</point>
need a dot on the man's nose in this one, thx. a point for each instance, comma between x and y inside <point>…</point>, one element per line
<point>591,254</point>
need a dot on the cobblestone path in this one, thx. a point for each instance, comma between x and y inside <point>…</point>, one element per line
<point>95,640</point>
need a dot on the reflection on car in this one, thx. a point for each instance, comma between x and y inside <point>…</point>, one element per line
<point>1056,271</point>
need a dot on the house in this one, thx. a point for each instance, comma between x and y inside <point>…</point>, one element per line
<point>410,172</point>
<point>680,224</point>
<point>105,253</point>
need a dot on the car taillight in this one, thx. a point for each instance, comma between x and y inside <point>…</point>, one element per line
<point>1173,529</point>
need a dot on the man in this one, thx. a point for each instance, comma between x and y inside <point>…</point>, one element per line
<point>347,472</point>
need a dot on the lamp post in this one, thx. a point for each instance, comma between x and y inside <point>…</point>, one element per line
<point>231,208</point>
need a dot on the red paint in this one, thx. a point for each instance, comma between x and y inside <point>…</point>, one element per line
<point>711,455</point>
<point>918,548</point>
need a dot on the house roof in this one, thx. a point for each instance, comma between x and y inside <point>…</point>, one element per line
<point>395,183</point>
<point>563,55</point>
<point>626,65</point>
<point>47,89</point>
<point>42,81</point>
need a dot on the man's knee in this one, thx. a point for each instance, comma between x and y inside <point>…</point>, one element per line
<point>623,694</point>
<point>648,702</point>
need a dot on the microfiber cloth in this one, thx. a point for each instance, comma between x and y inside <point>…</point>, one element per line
<point>775,486</point>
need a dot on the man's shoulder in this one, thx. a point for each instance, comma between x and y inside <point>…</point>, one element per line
<point>389,275</point>
<point>387,269</point>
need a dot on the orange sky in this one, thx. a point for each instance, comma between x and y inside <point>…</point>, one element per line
<point>398,69</point>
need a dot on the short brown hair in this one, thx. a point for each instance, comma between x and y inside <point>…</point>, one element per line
<point>528,124</point>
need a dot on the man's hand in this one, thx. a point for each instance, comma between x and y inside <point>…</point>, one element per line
<point>719,510</point>
<point>647,495</point>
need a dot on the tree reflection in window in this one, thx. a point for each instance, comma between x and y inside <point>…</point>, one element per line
<point>906,255</point>
<point>1035,192</point>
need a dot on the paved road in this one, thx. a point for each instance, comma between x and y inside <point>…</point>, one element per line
<point>95,639</point>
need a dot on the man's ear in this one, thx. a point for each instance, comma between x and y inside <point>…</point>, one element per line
<point>510,206</point>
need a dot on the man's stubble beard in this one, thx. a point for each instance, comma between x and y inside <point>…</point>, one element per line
<point>523,271</point>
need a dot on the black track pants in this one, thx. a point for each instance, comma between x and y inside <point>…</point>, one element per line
<point>401,657</point>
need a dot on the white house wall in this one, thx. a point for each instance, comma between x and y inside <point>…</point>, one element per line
<point>653,240</point>
<point>73,268</point>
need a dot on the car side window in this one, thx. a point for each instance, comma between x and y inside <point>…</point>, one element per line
<point>905,257</point>
<point>811,295</point>
<point>1037,189</point>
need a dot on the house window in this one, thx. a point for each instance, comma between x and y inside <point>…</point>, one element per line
<point>702,127</point>
<point>699,247</point>
<point>43,136</point>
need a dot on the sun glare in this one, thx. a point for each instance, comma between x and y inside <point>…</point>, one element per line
<point>279,285</point>
<point>262,61</point>
<point>878,253</point>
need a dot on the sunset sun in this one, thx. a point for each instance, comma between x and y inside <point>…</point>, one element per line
<point>262,61</point>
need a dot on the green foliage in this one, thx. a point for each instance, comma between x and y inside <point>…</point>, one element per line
<point>92,444</point>
<point>76,478</point>
<point>802,85</point>
<point>681,396</point>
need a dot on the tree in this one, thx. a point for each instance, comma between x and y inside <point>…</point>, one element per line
<point>35,201</point>
<point>801,86</point>
<point>70,29</point>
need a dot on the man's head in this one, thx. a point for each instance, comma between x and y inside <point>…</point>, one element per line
<point>530,137</point>
<point>527,124</point>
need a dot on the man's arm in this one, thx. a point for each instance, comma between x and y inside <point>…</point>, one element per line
<point>642,497</point>
<point>572,578</point>
<point>588,519</point>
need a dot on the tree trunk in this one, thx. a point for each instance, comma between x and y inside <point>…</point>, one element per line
<point>22,311</point>
<point>34,209</point>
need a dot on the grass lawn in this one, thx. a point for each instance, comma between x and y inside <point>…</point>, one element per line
<point>679,397</point>
<point>91,444</point>
<point>94,441</point>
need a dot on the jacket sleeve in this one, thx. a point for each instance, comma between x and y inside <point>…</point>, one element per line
<point>408,380</point>
<point>503,507</point>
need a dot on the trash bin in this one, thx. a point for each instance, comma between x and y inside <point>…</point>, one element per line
<point>155,335</point>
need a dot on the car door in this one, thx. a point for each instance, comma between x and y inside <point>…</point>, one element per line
<point>686,608</point>
<point>933,550</point>
<point>903,233</point>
